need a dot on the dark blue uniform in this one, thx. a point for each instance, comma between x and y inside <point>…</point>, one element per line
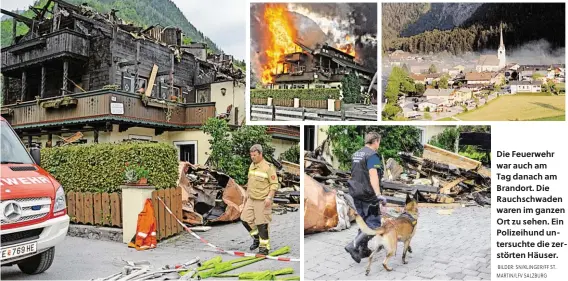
<point>360,188</point>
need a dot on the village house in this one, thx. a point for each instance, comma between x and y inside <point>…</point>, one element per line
<point>525,86</point>
<point>431,77</point>
<point>98,79</point>
<point>484,78</point>
<point>463,94</point>
<point>432,105</point>
<point>320,66</point>
<point>418,78</point>
<point>446,95</point>
<point>456,70</point>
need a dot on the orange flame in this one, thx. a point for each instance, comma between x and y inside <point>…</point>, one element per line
<point>347,47</point>
<point>280,36</point>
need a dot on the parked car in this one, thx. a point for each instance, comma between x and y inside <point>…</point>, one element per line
<point>33,210</point>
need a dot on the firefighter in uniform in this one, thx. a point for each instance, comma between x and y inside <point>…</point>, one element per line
<point>366,193</point>
<point>261,187</point>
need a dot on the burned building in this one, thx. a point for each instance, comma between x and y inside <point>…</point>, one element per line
<point>322,66</point>
<point>83,71</point>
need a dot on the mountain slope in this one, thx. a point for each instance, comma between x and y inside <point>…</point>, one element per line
<point>397,16</point>
<point>523,23</point>
<point>139,12</point>
<point>441,16</point>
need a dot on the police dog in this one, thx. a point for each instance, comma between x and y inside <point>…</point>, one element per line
<point>393,230</point>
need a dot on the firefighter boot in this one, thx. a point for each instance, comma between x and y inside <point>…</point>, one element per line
<point>254,234</point>
<point>264,240</point>
<point>364,251</point>
<point>353,247</point>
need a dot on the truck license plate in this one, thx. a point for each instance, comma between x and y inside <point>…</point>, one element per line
<point>18,250</point>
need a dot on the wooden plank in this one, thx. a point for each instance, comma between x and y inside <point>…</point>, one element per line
<point>152,80</point>
<point>162,215</point>
<point>115,211</point>
<point>98,211</point>
<point>71,205</point>
<point>174,210</point>
<point>179,209</point>
<point>105,205</point>
<point>79,207</point>
<point>156,204</point>
<point>439,155</point>
<point>168,216</point>
<point>176,205</point>
<point>88,207</point>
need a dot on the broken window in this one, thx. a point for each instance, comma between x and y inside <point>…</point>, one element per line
<point>203,95</point>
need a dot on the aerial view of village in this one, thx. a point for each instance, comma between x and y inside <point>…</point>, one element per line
<point>313,61</point>
<point>473,61</point>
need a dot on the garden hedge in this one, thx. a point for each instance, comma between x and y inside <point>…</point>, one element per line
<point>302,94</point>
<point>100,167</point>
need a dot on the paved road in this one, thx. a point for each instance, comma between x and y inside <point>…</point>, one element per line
<point>83,259</point>
<point>445,247</point>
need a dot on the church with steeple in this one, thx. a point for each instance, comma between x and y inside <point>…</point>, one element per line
<point>493,62</point>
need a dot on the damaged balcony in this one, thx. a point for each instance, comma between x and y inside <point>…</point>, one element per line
<point>65,44</point>
<point>104,107</point>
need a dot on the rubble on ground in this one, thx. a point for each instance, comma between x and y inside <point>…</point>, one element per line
<point>439,176</point>
<point>210,196</point>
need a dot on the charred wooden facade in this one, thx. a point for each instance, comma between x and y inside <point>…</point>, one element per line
<point>81,68</point>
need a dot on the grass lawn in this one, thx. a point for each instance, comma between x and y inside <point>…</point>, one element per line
<point>508,108</point>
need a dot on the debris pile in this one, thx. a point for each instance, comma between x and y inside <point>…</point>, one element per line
<point>439,176</point>
<point>211,196</point>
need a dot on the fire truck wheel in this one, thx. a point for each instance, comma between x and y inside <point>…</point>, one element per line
<point>38,263</point>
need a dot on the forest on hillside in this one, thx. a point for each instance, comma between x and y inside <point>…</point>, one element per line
<point>522,23</point>
<point>139,12</point>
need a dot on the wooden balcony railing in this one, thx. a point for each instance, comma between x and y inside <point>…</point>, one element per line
<point>107,105</point>
<point>62,43</point>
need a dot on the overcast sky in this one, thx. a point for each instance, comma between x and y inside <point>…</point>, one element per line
<point>221,20</point>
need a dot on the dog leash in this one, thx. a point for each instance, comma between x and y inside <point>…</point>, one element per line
<point>233,253</point>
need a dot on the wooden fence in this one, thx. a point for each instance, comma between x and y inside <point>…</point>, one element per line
<point>290,102</point>
<point>105,209</point>
<point>275,113</point>
<point>102,209</point>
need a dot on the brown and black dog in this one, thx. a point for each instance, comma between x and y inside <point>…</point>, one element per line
<point>393,230</point>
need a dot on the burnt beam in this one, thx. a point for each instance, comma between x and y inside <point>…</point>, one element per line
<point>44,10</point>
<point>42,83</point>
<point>24,86</point>
<point>127,63</point>
<point>14,33</point>
<point>164,73</point>
<point>27,21</point>
<point>65,75</point>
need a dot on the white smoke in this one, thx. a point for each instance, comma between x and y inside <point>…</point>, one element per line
<point>537,53</point>
<point>332,27</point>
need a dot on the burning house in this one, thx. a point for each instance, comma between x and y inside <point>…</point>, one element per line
<point>295,53</point>
<point>81,71</point>
<point>320,67</point>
